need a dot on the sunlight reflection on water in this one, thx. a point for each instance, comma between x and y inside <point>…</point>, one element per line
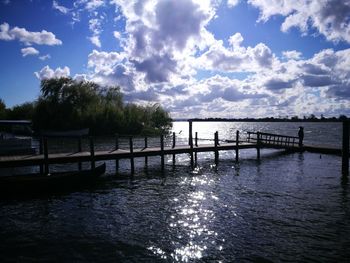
<point>289,207</point>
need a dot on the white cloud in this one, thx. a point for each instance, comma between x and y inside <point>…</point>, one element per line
<point>45,57</point>
<point>236,40</point>
<point>60,8</point>
<point>29,51</point>
<point>232,3</point>
<point>93,4</point>
<point>47,73</point>
<point>162,60</point>
<point>117,35</point>
<point>292,54</point>
<point>40,38</point>
<point>104,61</point>
<point>95,28</point>
<point>95,40</point>
<point>330,18</point>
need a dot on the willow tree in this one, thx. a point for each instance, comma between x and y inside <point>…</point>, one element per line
<point>65,104</point>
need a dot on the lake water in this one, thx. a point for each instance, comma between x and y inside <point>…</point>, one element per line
<point>285,207</point>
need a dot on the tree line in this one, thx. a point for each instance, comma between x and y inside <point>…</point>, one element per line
<point>67,104</point>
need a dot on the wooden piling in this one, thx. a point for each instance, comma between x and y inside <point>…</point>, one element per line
<point>162,151</point>
<point>146,157</point>
<point>79,150</point>
<point>46,157</point>
<point>345,149</point>
<point>117,148</point>
<point>191,152</point>
<point>237,142</point>
<point>173,146</point>
<point>92,152</point>
<point>41,151</point>
<point>132,164</point>
<point>196,144</point>
<point>216,143</point>
<point>190,140</point>
<point>258,145</point>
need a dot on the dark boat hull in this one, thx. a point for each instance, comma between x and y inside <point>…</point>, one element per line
<point>55,182</point>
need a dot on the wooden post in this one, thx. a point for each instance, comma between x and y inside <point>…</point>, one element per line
<point>345,149</point>
<point>46,157</point>
<point>191,152</point>
<point>189,132</point>
<point>174,144</point>
<point>258,145</point>
<point>116,148</point>
<point>41,151</point>
<point>162,151</point>
<point>216,143</point>
<point>132,164</point>
<point>92,152</point>
<point>196,144</point>
<point>237,141</point>
<point>79,150</point>
<point>146,157</point>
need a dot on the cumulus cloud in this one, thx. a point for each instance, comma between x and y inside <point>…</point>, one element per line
<point>29,51</point>
<point>47,73</point>
<point>330,18</point>
<point>165,46</point>
<point>237,59</point>
<point>104,61</point>
<point>40,38</point>
<point>292,54</point>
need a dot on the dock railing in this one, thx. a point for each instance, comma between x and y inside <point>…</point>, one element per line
<point>271,139</point>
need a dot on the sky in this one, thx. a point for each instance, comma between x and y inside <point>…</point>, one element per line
<point>197,58</point>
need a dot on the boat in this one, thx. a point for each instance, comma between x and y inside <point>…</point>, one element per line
<point>15,137</point>
<point>49,183</point>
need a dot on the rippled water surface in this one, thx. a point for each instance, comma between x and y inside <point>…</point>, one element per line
<point>286,207</point>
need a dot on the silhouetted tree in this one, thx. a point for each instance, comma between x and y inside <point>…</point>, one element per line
<point>68,104</point>
<point>2,110</point>
<point>23,111</point>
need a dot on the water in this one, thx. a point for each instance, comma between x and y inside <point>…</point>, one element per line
<point>287,207</point>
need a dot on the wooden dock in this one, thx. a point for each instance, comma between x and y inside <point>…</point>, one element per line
<point>255,140</point>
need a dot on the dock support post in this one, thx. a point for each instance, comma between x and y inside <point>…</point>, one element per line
<point>237,142</point>
<point>174,144</point>
<point>190,132</point>
<point>116,148</point>
<point>345,149</point>
<point>41,151</point>
<point>92,152</point>
<point>46,157</point>
<point>216,143</point>
<point>196,144</point>
<point>146,157</point>
<point>258,145</point>
<point>132,164</point>
<point>79,150</point>
<point>162,151</point>
<point>191,151</point>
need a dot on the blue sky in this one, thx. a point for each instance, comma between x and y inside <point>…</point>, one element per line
<point>229,58</point>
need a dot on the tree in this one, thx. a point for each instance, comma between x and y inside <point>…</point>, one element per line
<point>2,109</point>
<point>68,104</point>
<point>23,111</point>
